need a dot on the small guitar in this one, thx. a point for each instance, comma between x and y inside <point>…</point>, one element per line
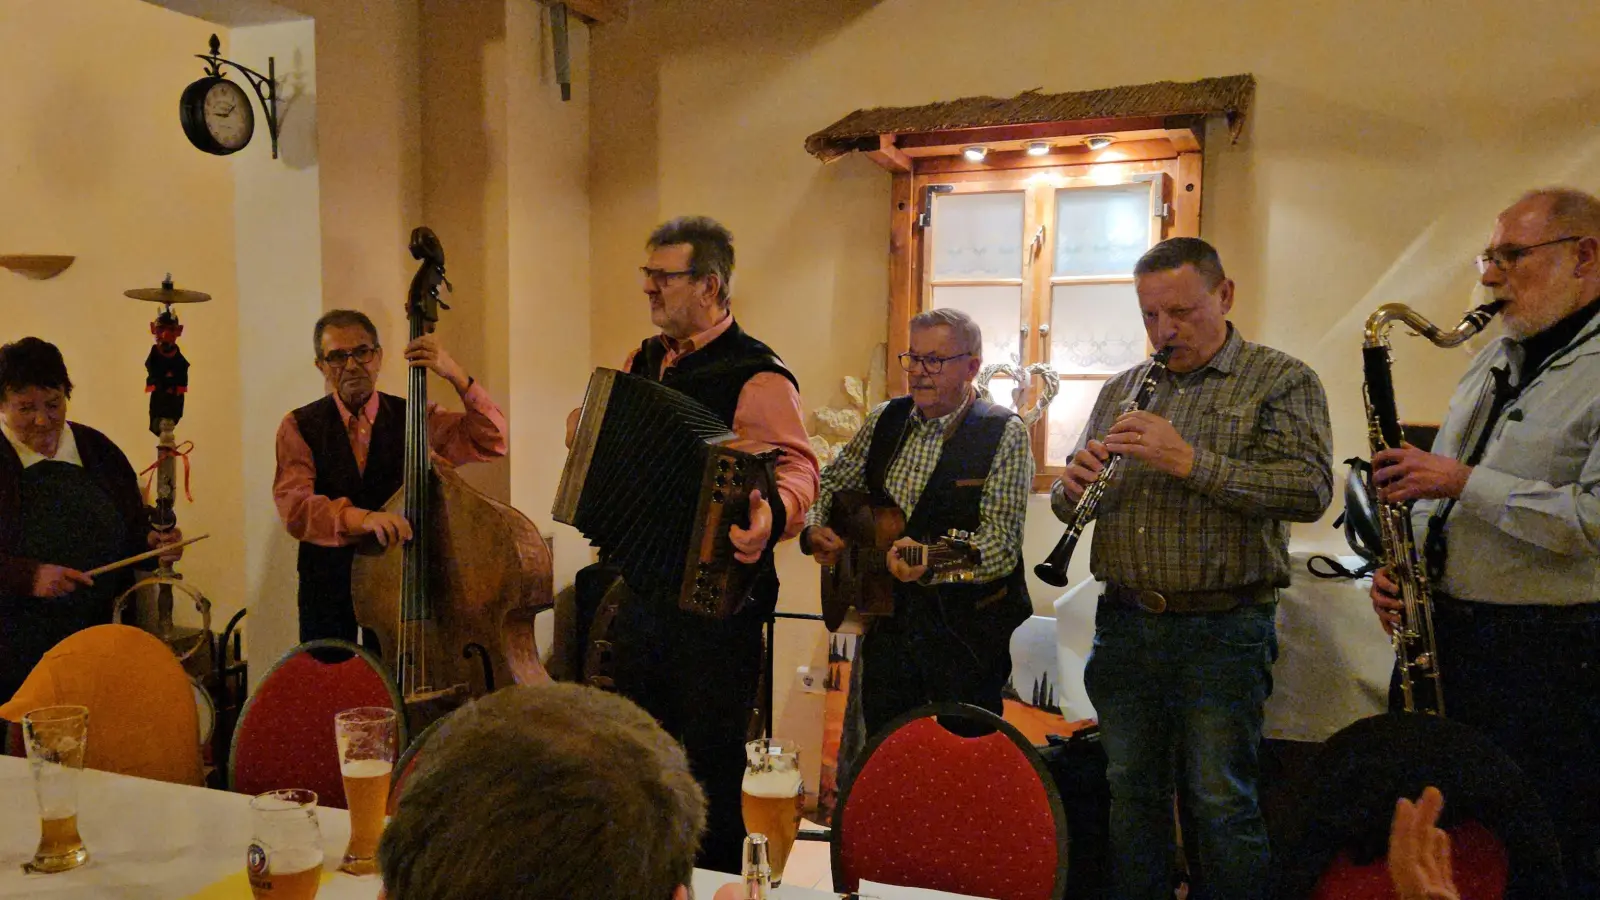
<point>860,582</point>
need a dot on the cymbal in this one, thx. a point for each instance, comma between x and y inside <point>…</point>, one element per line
<point>167,294</point>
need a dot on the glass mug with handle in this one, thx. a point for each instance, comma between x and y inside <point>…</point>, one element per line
<point>772,796</point>
<point>56,737</point>
<point>367,738</point>
<point>284,861</point>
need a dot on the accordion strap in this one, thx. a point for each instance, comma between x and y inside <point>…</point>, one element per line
<point>599,658</point>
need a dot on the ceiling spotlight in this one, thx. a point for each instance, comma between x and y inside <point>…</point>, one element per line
<point>975,153</point>
<point>1099,141</point>
<point>1038,148</point>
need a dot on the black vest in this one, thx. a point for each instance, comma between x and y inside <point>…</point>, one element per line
<point>951,499</point>
<point>326,609</point>
<point>715,375</point>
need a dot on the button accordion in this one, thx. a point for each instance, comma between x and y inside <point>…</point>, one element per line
<point>652,481</point>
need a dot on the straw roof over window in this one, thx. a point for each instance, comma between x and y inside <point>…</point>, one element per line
<point>860,130</point>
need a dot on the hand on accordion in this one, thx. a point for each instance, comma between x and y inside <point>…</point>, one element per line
<point>749,543</point>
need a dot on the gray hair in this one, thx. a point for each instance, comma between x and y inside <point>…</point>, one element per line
<point>342,318</point>
<point>959,323</point>
<point>710,249</point>
<point>1175,253</point>
<point>1575,211</point>
<point>558,790</point>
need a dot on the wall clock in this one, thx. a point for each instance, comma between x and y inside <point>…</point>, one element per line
<point>216,113</point>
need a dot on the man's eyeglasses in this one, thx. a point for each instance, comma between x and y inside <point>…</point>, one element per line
<point>932,365</point>
<point>1506,256</point>
<point>339,358</point>
<point>662,276</point>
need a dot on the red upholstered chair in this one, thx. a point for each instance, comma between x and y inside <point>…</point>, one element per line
<point>929,808</point>
<point>406,765</point>
<point>285,734</point>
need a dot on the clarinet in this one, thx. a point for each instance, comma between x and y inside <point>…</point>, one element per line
<point>1053,571</point>
<point>1415,646</point>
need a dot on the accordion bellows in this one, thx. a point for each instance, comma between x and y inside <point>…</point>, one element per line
<point>651,481</point>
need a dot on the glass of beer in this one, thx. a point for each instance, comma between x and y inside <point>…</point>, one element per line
<point>55,737</point>
<point>367,736</point>
<point>772,796</point>
<point>284,861</point>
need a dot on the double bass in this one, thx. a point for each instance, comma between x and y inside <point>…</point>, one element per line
<point>453,607</point>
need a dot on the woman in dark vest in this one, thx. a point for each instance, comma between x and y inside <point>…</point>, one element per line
<point>69,502</point>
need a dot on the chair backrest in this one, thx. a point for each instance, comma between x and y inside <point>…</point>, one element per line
<point>929,808</point>
<point>1346,797</point>
<point>406,765</point>
<point>284,738</point>
<point>142,717</point>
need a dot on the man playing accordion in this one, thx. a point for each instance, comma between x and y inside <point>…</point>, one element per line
<point>699,676</point>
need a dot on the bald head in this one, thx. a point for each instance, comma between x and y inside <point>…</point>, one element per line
<point>1547,258</point>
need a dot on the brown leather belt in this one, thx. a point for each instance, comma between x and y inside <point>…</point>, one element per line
<point>1192,601</point>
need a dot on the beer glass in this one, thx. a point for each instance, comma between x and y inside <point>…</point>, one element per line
<point>772,797</point>
<point>284,861</point>
<point>55,737</point>
<point>366,737</point>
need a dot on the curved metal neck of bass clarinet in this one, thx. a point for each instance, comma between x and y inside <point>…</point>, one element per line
<point>1375,334</point>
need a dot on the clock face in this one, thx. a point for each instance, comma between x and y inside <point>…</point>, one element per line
<point>228,115</point>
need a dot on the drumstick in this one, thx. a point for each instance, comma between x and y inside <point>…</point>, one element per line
<point>112,567</point>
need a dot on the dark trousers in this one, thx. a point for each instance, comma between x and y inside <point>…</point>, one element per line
<point>923,655</point>
<point>698,677</point>
<point>1528,678</point>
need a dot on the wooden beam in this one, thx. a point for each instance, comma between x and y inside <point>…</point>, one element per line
<point>904,250</point>
<point>1068,155</point>
<point>890,156</point>
<point>1186,196</point>
<point>598,11</point>
<point>1036,131</point>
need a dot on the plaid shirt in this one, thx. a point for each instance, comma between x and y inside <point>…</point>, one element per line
<point>1005,492</point>
<point>1263,451</point>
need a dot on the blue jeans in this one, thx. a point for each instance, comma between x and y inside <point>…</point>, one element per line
<point>1184,693</point>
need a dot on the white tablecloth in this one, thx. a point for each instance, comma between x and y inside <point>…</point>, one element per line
<point>1333,657</point>
<point>149,840</point>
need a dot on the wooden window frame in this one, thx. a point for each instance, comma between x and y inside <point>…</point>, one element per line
<point>917,161</point>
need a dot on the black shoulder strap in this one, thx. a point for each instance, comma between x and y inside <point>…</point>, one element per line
<point>887,436</point>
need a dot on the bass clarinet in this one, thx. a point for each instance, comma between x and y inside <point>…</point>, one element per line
<point>1415,647</point>
<point>1053,571</point>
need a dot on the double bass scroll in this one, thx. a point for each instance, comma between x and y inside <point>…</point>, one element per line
<point>453,607</point>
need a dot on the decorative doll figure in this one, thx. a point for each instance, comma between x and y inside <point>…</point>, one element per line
<point>167,372</point>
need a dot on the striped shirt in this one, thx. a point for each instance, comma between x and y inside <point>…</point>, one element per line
<point>1005,492</point>
<point>1263,453</point>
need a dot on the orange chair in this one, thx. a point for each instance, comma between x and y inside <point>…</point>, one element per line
<point>285,734</point>
<point>929,808</point>
<point>142,717</point>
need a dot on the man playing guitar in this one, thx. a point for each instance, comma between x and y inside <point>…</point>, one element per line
<point>949,462</point>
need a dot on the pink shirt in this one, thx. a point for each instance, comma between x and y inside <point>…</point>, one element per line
<point>768,413</point>
<point>477,435</point>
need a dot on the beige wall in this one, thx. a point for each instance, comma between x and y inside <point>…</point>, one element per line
<point>279,256</point>
<point>1384,137</point>
<point>94,164</point>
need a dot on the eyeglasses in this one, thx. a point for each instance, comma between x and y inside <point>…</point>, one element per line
<point>1506,256</point>
<point>662,276</point>
<point>932,365</point>
<point>339,358</point>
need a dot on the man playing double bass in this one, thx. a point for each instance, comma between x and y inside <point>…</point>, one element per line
<point>699,676</point>
<point>948,460</point>
<point>341,458</point>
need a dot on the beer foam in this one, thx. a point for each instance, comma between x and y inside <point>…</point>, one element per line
<point>366,768</point>
<point>290,860</point>
<point>772,784</point>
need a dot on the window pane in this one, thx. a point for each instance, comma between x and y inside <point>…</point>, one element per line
<point>1000,391</point>
<point>1095,328</point>
<point>977,235</point>
<point>1102,230</point>
<point>998,311</point>
<point>1069,412</point>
